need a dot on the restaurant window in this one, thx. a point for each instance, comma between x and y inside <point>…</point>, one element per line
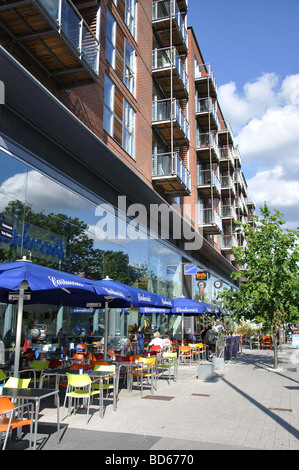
<point>119,117</point>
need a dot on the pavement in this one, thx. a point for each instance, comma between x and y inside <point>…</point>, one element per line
<point>248,405</point>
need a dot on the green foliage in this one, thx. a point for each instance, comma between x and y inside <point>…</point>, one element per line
<point>271,293</point>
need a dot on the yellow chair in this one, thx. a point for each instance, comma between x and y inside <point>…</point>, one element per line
<point>104,368</point>
<point>145,369</point>
<point>79,386</point>
<point>15,382</point>
<point>198,350</point>
<point>185,353</point>
<point>8,423</point>
<point>169,362</point>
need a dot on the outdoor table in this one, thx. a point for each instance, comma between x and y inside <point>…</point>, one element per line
<point>97,374</point>
<point>35,395</point>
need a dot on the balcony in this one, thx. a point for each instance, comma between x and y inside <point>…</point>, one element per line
<point>227,186</point>
<point>228,213</point>
<point>206,114</point>
<point>210,221</point>
<point>168,70</point>
<point>207,183</point>
<point>167,17</point>
<point>56,36</point>
<point>237,157</point>
<point>227,161</point>
<point>169,120</point>
<point>228,242</point>
<point>169,172</point>
<point>225,133</point>
<point>205,81</point>
<point>207,147</point>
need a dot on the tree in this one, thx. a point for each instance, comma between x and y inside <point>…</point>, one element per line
<point>270,293</point>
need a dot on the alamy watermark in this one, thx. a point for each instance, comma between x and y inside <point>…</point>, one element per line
<point>136,222</point>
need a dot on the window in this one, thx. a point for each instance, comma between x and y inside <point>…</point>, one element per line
<point>110,38</point>
<point>119,117</point>
<point>128,12</point>
<point>128,129</point>
<point>129,78</point>
<point>120,53</point>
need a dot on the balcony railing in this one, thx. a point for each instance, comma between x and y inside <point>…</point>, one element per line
<point>167,58</point>
<point>227,183</point>
<point>204,77</point>
<point>73,25</point>
<point>207,107</point>
<point>166,9</point>
<point>170,111</point>
<point>210,220</point>
<point>228,212</point>
<point>207,141</point>
<point>228,242</point>
<point>226,133</point>
<point>57,38</point>
<point>166,166</point>
<point>226,155</point>
<point>208,178</point>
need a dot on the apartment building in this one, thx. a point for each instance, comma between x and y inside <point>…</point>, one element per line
<point>109,105</point>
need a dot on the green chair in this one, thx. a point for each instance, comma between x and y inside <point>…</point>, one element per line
<point>15,382</point>
<point>2,375</point>
<point>169,363</point>
<point>37,366</point>
<point>79,386</point>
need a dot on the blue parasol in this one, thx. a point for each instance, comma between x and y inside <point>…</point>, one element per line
<point>24,281</point>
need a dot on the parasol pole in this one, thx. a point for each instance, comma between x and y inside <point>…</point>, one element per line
<point>23,286</point>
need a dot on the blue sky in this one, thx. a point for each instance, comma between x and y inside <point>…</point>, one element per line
<point>253,50</point>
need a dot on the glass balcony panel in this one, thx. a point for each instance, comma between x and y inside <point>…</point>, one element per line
<point>162,10</point>
<point>165,164</point>
<point>76,30</point>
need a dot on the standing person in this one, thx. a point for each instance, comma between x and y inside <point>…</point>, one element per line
<point>140,338</point>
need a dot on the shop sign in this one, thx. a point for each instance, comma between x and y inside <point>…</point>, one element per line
<point>202,276</point>
<point>44,244</point>
<point>190,269</point>
<point>6,230</point>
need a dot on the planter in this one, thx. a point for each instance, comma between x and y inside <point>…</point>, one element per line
<point>218,363</point>
<point>205,371</point>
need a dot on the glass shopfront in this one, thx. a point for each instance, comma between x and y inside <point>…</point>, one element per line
<point>56,227</point>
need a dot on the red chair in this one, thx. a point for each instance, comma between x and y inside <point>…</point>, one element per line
<point>54,364</point>
<point>8,423</point>
<point>78,357</point>
<point>154,350</point>
<point>266,341</point>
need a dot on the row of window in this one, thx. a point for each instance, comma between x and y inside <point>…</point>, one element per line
<point>119,116</point>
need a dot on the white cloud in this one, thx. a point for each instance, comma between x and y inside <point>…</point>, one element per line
<point>275,187</point>
<point>41,193</point>
<point>265,121</point>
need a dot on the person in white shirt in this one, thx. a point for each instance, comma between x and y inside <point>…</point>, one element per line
<point>157,341</point>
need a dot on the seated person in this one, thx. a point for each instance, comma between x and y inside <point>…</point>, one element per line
<point>157,341</point>
<point>166,343</point>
